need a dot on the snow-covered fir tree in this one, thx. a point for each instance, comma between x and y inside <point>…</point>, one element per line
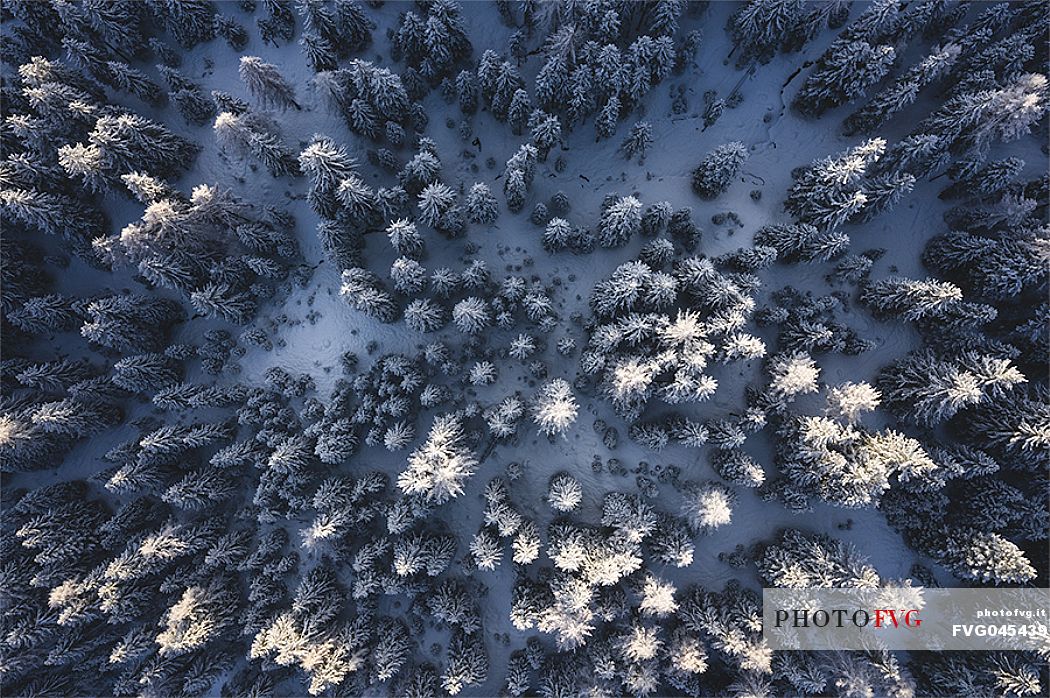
<point>716,171</point>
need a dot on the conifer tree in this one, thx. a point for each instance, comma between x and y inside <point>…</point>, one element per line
<point>127,79</point>
<point>796,560</point>
<point>514,189</point>
<point>438,468</point>
<point>837,189</point>
<point>200,489</point>
<point>738,468</point>
<point>718,168</point>
<point>424,315</point>
<point>707,506</point>
<point>423,169</point>
<point>358,200</point>
<point>467,91</point>
<point>319,52</point>
<point>850,399</point>
<point>471,315</point>
<point>929,389</point>
<point>187,97</point>
<point>979,556</point>
<point>190,21</point>
<point>364,291</point>
<point>54,214</point>
<point>952,674</point>
<point>545,132</point>
<point>129,322</point>
<point>252,134</point>
<point>480,205</point>
<point>671,541</point>
<point>146,372</point>
<point>554,407</point>
<point>608,118</point>
<point>222,300</point>
<point>327,164</point>
<point>485,550</point>
<point>904,90</point>
<point>911,299</point>
<point>118,145</point>
<point>564,493</point>
<point>558,235</point>
<point>991,267</point>
<point>54,376</point>
<point>231,31</point>
<point>435,202</point>
<point>266,83</point>
<point>989,180</point>
<point>467,662</point>
<point>43,314</point>
<point>883,192</point>
<point>620,222</point>
<point>975,120</point>
<point>638,140</point>
<point>844,73</point>
<point>407,275</point>
<point>760,26</point>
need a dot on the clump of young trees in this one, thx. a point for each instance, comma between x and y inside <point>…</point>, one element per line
<point>596,61</point>
<point>656,332</point>
<point>373,101</point>
<point>176,242</point>
<point>432,45</point>
<point>844,188</point>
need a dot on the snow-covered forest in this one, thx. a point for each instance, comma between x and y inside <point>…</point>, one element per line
<point>507,348</point>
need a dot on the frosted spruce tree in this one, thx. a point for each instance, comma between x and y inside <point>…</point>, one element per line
<point>554,407</point>
<point>716,171</point>
<point>439,466</point>
<point>265,82</point>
